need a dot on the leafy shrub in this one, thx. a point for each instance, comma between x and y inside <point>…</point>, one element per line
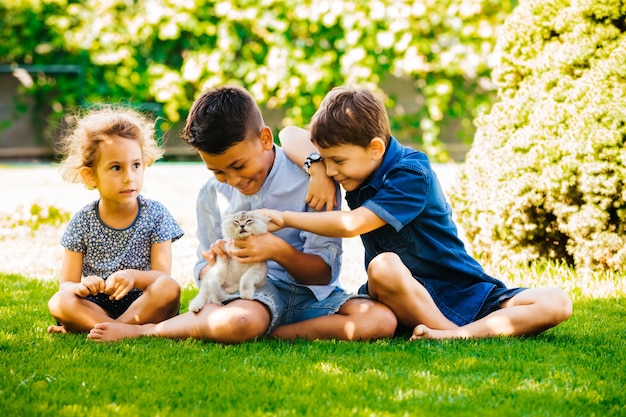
<point>29,37</point>
<point>35,216</point>
<point>545,177</point>
<point>288,53</point>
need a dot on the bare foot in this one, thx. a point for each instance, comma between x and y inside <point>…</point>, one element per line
<point>110,332</point>
<point>57,329</point>
<point>422,331</point>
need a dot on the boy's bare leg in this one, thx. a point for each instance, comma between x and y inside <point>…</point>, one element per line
<point>235,322</point>
<point>159,301</point>
<point>390,282</point>
<point>528,313</point>
<point>78,315</point>
<point>357,319</point>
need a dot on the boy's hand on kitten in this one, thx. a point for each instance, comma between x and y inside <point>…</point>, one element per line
<point>217,249</point>
<point>253,249</point>
<point>275,216</point>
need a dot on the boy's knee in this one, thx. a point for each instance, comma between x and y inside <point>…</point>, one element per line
<point>562,305</point>
<point>383,262</point>
<point>387,322</point>
<point>555,304</point>
<point>375,320</point>
<point>235,325</point>
<point>247,326</point>
<point>384,268</point>
<point>386,275</point>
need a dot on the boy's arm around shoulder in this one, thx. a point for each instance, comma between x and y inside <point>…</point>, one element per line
<point>296,143</point>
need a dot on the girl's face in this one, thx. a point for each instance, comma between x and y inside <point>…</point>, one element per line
<point>118,173</point>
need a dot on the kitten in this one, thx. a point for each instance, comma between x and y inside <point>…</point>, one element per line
<point>226,276</point>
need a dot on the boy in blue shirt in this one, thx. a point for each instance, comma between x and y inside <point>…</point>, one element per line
<point>302,297</point>
<point>416,263</point>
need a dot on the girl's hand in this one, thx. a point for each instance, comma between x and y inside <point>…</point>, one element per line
<point>322,191</point>
<point>118,284</point>
<point>90,285</point>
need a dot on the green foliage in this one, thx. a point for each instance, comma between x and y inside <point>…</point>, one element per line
<point>288,53</point>
<point>31,37</point>
<point>36,216</point>
<point>545,176</point>
<point>572,370</point>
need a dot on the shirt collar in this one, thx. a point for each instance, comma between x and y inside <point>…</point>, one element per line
<point>279,159</point>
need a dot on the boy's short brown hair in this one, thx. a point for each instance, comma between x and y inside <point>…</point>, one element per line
<point>350,115</point>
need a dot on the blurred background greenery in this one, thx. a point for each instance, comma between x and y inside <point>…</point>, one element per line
<point>544,178</point>
<point>430,60</point>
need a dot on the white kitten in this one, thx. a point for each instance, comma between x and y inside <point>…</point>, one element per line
<point>226,276</point>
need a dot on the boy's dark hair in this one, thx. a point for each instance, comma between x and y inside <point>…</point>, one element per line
<point>350,115</point>
<point>220,118</point>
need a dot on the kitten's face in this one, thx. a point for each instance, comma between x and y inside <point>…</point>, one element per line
<point>242,224</point>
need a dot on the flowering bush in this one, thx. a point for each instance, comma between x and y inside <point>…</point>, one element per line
<point>545,177</point>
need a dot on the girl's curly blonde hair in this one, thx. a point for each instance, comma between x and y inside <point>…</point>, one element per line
<point>80,145</point>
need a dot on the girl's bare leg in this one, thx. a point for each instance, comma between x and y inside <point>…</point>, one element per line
<point>357,319</point>
<point>77,314</point>
<point>159,301</point>
<point>235,322</point>
<point>390,282</point>
<point>530,312</point>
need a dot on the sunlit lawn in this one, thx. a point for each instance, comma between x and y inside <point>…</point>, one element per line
<point>576,369</point>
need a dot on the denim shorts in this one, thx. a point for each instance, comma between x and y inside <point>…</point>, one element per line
<point>115,308</point>
<point>495,299</point>
<point>290,303</point>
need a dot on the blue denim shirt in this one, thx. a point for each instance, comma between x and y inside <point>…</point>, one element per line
<point>405,192</point>
<point>284,189</point>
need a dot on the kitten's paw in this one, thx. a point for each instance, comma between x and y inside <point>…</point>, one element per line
<point>196,304</point>
<point>247,293</point>
<point>215,299</point>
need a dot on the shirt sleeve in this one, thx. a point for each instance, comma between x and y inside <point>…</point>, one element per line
<point>208,220</point>
<point>166,228</point>
<point>73,236</point>
<point>403,195</point>
<point>327,248</point>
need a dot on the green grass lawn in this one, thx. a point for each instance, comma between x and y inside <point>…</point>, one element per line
<point>576,369</point>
